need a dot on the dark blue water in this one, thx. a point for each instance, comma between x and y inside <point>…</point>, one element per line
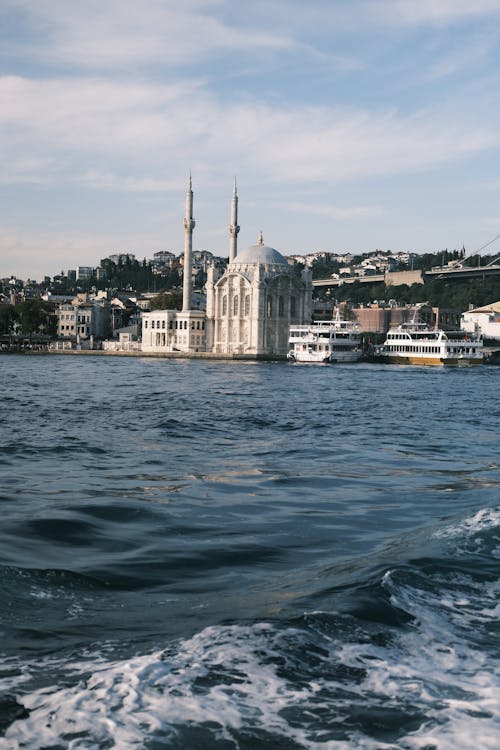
<point>218,555</point>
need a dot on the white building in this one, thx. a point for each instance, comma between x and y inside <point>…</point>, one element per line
<point>121,257</point>
<point>486,318</point>
<point>83,318</point>
<point>84,273</point>
<point>249,307</point>
<point>173,331</point>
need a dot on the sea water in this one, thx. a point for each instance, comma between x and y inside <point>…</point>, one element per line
<point>228,555</point>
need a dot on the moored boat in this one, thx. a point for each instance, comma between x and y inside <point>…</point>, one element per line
<point>416,344</point>
<point>328,341</point>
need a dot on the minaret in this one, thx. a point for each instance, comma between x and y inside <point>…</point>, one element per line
<point>189,224</point>
<point>233,227</point>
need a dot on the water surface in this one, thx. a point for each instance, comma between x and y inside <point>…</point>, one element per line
<point>236,555</point>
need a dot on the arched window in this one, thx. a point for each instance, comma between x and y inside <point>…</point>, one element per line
<point>224,305</point>
<point>235,305</point>
<point>247,305</point>
<point>281,307</point>
<point>292,307</point>
<point>269,307</point>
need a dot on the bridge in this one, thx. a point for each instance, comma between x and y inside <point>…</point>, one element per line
<point>455,271</point>
<point>415,277</point>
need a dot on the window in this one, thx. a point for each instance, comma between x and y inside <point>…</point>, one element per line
<point>269,307</point>
<point>224,305</point>
<point>235,305</point>
<point>292,306</point>
<point>152,324</point>
<point>281,307</point>
<point>163,324</point>
<point>247,305</point>
<point>145,324</point>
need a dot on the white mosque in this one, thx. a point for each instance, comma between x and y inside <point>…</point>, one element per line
<point>250,307</point>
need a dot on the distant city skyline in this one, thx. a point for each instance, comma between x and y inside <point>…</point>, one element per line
<point>350,126</point>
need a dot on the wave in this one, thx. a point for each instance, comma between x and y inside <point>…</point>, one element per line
<point>411,664</point>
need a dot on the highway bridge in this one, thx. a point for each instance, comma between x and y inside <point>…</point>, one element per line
<point>415,277</point>
<point>455,271</point>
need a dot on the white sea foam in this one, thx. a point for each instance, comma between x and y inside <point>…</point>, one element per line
<point>457,682</point>
<point>483,520</point>
<point>242,677</point>
<point>218,676</point>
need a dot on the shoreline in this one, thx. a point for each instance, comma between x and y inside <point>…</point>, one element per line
<point>153,355</point>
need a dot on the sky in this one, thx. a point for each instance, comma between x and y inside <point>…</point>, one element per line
<point>350,125</point>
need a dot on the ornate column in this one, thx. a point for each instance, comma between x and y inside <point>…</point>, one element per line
<point>233,227</point>
<point>189,225</point>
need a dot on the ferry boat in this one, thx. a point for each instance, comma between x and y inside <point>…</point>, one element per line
<point>416,344</point>
<point>328,341</point>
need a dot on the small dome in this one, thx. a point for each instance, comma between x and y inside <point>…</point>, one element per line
<point>262,254</point>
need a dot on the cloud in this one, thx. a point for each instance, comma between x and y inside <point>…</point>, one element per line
<point>134,136</point>
<point>52,251</point>
<point>97,35</point>
<point>335,212</point>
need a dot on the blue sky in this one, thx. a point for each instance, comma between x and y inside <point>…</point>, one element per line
<point>349,124</point>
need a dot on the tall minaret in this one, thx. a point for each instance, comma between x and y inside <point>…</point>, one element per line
<point>233,227</point>
<point>189,224</point>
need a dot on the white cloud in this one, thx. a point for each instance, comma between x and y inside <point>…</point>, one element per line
<point>335,212</point>
<point>134,135</point>
<point>49,252</point>
<point>118,33</point>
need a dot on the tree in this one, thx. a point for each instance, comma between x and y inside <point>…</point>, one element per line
<point>8,317</point>
<point>167,300</point>
<point>36,316</point>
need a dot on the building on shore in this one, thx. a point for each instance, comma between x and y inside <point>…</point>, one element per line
<point>249,308</point>
<point>486,319</point>
<point>83,319</point>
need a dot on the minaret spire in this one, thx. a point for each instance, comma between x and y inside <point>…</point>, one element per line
<point>233,227</point>
<point>189,225</point>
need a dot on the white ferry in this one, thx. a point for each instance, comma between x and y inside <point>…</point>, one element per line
<point>328,341</point>
<point>416,344</point>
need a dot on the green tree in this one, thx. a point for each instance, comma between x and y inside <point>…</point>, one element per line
<point>8,317</point>
<point>167,300</point>
<point>36,316</point>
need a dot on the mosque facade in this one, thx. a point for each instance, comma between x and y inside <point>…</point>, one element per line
<point>250,307</point>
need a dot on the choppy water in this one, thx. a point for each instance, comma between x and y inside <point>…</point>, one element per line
<point>217,555</point>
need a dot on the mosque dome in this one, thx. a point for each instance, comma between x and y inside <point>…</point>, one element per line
<point>261,254</point>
